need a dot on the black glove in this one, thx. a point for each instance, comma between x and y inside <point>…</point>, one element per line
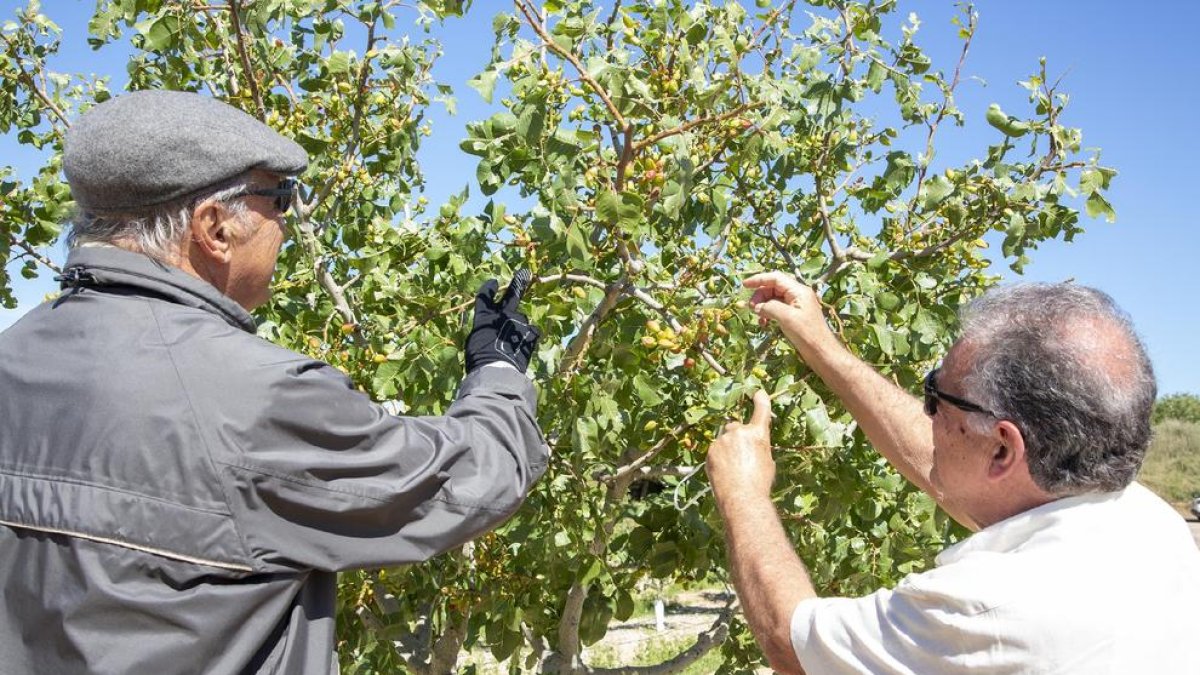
<point>500,331</point>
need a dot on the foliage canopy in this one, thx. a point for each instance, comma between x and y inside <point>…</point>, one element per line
<point>643,158</point>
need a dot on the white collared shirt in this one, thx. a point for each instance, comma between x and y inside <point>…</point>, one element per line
<point>1100,583</point>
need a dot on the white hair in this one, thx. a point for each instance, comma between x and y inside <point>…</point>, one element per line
<point>157,231</point>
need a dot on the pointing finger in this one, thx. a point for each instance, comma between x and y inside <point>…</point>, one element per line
<point>762,410</point>
<point>516,289</point>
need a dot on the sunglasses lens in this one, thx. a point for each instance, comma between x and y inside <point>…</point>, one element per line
<point>930,390</point>
<point>285,200</point>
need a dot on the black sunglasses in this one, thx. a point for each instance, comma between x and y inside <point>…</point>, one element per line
<point>933,395</point>
<point>284,193</point>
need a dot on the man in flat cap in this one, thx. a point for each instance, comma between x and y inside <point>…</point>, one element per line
<point>177,494</point>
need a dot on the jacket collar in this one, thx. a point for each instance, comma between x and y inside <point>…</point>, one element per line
<point>108,265</point>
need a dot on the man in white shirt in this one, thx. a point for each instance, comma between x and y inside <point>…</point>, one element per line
<point>1030,434</point>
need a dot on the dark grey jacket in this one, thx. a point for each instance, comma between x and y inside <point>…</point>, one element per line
<point>176,493</point>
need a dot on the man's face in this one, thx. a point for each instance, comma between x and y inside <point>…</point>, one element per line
<point>260,234</point>
<point>961,455</point>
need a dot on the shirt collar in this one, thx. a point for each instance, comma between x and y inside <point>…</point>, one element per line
<point>1017,531</point>
<point>110,265</point>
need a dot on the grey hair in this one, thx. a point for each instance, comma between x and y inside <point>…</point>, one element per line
<point>1063,363</point>
<point>159,230</point>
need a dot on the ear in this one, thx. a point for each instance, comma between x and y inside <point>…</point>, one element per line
<point>1009,455</point>
<point>212,232</point>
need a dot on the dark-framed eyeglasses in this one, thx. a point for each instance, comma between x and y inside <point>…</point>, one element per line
<point>933,395</point>
<point>284,193</point>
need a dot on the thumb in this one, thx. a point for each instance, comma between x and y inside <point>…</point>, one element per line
<point>762,410</point>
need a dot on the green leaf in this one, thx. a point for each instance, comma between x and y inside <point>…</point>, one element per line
<point>875,76</point>
<point>1097,206</point>
<point>592,571</point>
<point>1008,125</point>
<point>529,125</point>
<point>883,337</point>
<point>608,207</point>
<point>484,83</point>
<point>630,212</point>
<point>160,32</point>
<point>311,144</point>
<point>1094,179</point>
<point>384,384</point>
<point>338,63</point>
<point>577,245</point>
<point>646,391</point>
<point>935,191</point>
<point>887,300</point>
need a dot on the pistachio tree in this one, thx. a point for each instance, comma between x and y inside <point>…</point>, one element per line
<point>641,158</point>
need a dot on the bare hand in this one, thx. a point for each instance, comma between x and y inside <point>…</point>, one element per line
<point>793,305</point>
<point>739,461</point>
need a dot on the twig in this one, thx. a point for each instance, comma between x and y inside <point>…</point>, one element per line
<point>583,339</point>
<point>847,42</point>
<point>536,25</point>
<point>627,471</point>
<point>32,253</point>
<point>771,20</point>
<point>835,248</point>
<point>223,54</point>
<point>33,86</point>
<point>687,126</point>
<point>251,79</point>
<point>577,278</point>
<point>608,41</point>
<point>627,152</point>
<point>947,101</point>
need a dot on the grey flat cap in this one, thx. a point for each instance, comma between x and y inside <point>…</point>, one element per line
<point>150,147</point>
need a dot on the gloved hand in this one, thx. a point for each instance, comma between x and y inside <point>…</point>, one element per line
<point>500,331</point>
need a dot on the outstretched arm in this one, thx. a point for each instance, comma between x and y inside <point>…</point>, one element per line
<point>769,577</point>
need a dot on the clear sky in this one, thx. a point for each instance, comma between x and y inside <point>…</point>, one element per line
<point>1130,70</point>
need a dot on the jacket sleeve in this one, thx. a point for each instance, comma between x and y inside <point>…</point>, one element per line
<point>321,477</point>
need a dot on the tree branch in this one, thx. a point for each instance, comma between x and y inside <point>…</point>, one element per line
<point>583,339</point>
<point>536,25</point>
<point>364,73</point>
<point>626,473</point>
<point>33,85</point>
<point>251,80</point>
<point>687,126</point>
<point>444,654</point>
<point>32,253</point>
<point>567,658</point>
<point>948,100</point>
<point>308,240</point>
<point>577,278</point>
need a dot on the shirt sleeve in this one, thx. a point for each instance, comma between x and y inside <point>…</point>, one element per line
<point>324,478</point>
<point>920,627</point>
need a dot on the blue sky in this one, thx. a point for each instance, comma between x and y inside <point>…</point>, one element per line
<point>1132,77</point>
